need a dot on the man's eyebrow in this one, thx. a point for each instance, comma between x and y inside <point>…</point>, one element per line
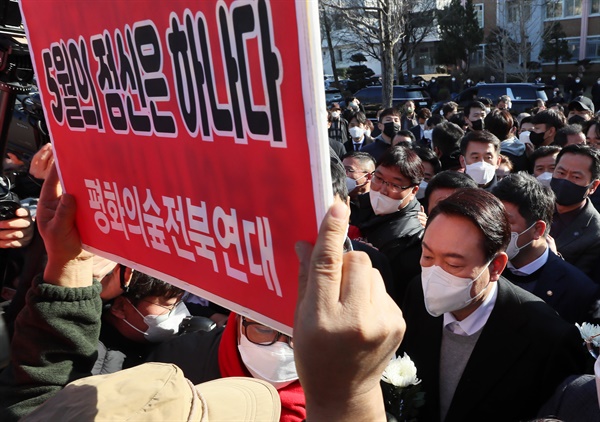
<point>450,254</point>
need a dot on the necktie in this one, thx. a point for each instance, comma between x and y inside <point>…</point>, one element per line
<point>357,147</point>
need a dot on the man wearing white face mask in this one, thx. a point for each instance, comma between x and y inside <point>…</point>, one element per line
<point>357,126</point>
<point>359,172</point>
<point>244,348</point>
<point>480,157</point>
<point>338,130</point>
<point>532,265</point>
<point>472,333</point>
<point>543,161</point>
<point>148,313</point>
<point>388,215</point>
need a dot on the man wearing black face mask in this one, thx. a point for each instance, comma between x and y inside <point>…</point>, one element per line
<point>389,124</point>
<point>474,115</point>
<point>576,223</point>
<point>545,125</point>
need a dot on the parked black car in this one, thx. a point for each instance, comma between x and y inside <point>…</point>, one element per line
<point>523,95</point>
<point>370,97</point>
<point>333,95</point>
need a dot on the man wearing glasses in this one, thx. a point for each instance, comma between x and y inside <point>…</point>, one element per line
<point>388,215</point>
<point>146,314</point>
<point>244,348</point>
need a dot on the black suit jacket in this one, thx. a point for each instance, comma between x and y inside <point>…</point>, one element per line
<point>416,130</point>
<point>524,352</point>
<point>579,242</point>
<point>564,287</point>
<point>350,146</point>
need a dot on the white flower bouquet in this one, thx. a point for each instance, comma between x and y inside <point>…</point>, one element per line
<point>401,389</point>
<point>590,333</point>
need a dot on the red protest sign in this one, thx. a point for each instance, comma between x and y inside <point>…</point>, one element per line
<point>189,134</point>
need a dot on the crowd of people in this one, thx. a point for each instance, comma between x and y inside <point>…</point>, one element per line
<point>468,240</point>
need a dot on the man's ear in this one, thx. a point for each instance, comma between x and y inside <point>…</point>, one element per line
<point>540,229</point>
<point>463,163</point>
<point>497,266</point>
<point>414,190</point>
<point>551,131</point>
<point>595,184</point>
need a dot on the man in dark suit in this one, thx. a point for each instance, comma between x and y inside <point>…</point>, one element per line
<point>387,215</point>
<point>485,349</point>
<point>576,223</point>
<point>532,265</point>
<point>357,125</point>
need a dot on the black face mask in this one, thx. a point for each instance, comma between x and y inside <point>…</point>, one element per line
<point>536,139</point>
<point>568,193</point>
<point>390,129</point>
<point>477,124</point>
<point>576,120</point>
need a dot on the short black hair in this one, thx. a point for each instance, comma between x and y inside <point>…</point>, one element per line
<point>526,119</point>
<point>550,118</point>
<point>485,101</point>
<point>424,113</point>
<point>543,151</point>
<point>407,134</point>
<point>435,120</point>
<point>458,119</point>
<point>361,156</point>
<point>143,285</point>
<point>446,137</point>
<point>406,161</point>
<point>533,200</point>
<point>449,179</point>
<point>359,116</point>
<point>561,137</point>
<point>338,178</point>
<point>590,123</point>
<point>587,151</point>
<point>449,107</point>
<point>473,104</point>
<point>427,155</point>
<point>389,112</point>
<point>482,209</point>
<point>499,123</point>
<point>480,136</point>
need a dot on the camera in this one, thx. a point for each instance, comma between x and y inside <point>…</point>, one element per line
<point>9,201</point>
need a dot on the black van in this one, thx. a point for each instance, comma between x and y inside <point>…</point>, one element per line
<point>522,95</point>
<point>370,97</point>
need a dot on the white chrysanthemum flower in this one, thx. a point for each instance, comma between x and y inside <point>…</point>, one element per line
<point>588,330</point>
<point>401,372</point>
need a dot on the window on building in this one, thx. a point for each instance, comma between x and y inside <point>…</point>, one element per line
<point>556,9</point>
<point>518,8</point>
<point>574,48</point>
<point>478,56</point>
<point>479,12</point>
<point>595,6</point>
<point>340,55</point>
<point>592,49</point>
<point>572,8</point>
